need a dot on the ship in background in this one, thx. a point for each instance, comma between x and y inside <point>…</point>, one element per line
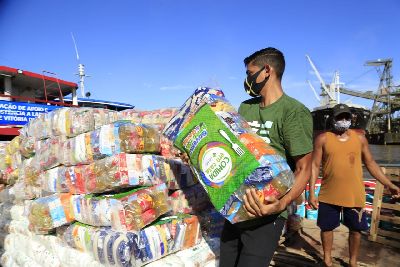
<point>24,95</point>
<point>381,123</point>
<point>328,98</point>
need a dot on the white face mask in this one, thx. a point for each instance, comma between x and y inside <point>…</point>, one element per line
<point>342,125</point>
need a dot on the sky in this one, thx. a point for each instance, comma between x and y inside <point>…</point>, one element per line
<point>154,53</point>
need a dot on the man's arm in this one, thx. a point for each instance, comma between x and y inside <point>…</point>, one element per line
<point>374,168</point>
<point>316,163</point>
<point>271,205</point>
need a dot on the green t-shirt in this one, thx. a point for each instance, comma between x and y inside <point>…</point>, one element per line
<point>285,124</point>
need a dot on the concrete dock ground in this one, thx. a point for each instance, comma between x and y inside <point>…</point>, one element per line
<point>305,249</point>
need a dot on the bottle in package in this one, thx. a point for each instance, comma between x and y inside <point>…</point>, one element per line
<point>47,213</point>
<point>136,208</point>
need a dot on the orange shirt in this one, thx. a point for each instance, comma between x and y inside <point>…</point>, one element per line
<point>342,179</point>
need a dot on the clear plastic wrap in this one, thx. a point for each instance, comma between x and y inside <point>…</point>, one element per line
<point>79,120</point>
<point>47,213</point>
<point>54,180</point>
<point>49,153</point>
<point>27,147</point>
<point>135,209</point>
<point>58,121</point>
<point>131,115</point>
<point>127,249</point>
<point>188,200</point>
<point>139,138</point>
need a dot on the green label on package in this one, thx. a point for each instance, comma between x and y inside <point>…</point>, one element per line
<point>222,162</point>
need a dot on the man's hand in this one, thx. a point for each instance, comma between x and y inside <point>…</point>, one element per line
<point>256,206</point>
<point>394,190</point>
<point>184,157</point>
<point>313,201</point>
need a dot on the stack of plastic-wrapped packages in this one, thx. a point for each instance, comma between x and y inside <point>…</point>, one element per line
<point>93,187</point>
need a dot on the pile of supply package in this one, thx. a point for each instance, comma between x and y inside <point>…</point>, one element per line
<point>94,187</point>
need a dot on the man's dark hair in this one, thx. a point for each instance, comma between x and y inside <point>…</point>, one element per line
<point>270,56</point>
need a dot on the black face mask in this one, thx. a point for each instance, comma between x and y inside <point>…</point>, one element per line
<point>250,85</point>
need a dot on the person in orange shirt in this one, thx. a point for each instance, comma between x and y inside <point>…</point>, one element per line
<point>342,152</point>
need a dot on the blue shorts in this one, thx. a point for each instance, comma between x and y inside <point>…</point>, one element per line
<point>329,217</point>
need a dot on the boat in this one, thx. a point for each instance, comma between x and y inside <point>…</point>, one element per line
<point>323,116</point>
<point>24,95</point>
<point>328,98</point>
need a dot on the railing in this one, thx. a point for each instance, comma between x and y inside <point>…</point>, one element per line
<point>36,100</point>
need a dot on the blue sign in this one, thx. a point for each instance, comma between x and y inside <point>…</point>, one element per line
<point>20,113</point>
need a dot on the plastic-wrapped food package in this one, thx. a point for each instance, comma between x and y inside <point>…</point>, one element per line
<point>179,203</point>
<point>98,245</point>
<point>133,210</point>
<point>204,254</point>
<point>17,212</point>
<point>76,150</point>
<point>153,168</point>
<point>50,212</point>
<point>127,249</point>
<point>93,210</point>
<point>139,138</point>
<point>189,199</point>
<point>167,148</point>
<point>10,176</point>
<point>103,117</point>
<point>131,115</point>
<point>201,96</point>
<point>75,179</point>
<point>79,120</point>
<point>158,116</point>
<point>15,160</point>
<point>23,191</point>
<point>179,175</point>
<point>7,194</point>
<point>29,173</point>
<point>109,173</point>
<point>226,156</point>
<point>13,146</point>
<point>54,180</point>
<point>49,153</point>
<point>108,141</point>
<point>58,120</point>
<point>40,127</point>
<point>27,147</point>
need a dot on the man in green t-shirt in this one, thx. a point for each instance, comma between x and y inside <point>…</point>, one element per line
<point>285,124</point>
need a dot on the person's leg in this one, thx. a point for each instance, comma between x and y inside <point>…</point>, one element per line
<point>328,219</point>
<point>356,220</point>
<point>327,242</point>
<point>354,245</point>
<point>230,245</point>
<point>260,243</point>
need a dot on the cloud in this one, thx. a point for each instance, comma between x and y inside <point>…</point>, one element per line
<point>176,87</point>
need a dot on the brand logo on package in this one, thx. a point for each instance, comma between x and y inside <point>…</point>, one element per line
<point>215,163</point>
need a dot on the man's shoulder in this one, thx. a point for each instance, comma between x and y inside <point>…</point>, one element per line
<point>248,105</point>
<point>293,104</point>
<point>251,101</point>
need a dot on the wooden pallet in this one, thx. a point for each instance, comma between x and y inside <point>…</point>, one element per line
<point>377,234</point>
